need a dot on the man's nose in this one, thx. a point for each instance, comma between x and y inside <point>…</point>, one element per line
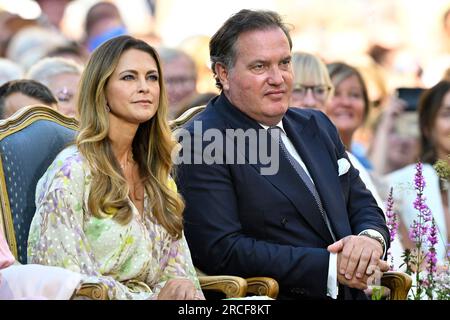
<point>275,76</point>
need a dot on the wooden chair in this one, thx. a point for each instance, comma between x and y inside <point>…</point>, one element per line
<point>29,142</point>
<point>398,283</point>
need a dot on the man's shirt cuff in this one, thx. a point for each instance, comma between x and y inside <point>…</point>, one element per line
<point>332,283</point>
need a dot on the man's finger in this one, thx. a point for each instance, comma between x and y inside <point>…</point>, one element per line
<point>345,255</point>
<point>363,263</point>
<point>353,262</point>
<point>336,247</point>
<point>374,260</point>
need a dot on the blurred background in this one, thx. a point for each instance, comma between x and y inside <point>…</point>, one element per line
<point>411,32</point>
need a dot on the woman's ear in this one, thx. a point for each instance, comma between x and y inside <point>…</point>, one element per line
<point>222,75</point>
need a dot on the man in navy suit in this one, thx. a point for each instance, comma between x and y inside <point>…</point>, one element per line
<point>307,221</point>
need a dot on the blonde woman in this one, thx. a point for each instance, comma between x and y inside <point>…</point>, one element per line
<point>312,84</point>
<point>107,206</point>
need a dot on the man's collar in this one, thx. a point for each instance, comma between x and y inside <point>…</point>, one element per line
<point>279,125</point>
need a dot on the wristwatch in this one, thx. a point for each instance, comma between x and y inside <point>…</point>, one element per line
<point>376,236</point>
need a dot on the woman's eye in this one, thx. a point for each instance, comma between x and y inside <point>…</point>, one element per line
<point>127,77</point>
<point>153,77</point>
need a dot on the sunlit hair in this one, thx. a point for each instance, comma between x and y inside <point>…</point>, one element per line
<point>430,102</point>
<point>310,69</point>
<point>340,71</point>
<point>152,145</point>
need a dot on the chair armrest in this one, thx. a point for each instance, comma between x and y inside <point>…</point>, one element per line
<point>262,286</point>
<point>398,283</point>
<point>94,291</point>
<point>231,286</point>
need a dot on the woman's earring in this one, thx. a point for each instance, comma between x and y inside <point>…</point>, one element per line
<point>108,109</point>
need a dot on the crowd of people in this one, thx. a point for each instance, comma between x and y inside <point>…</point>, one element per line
<point>114,209</point>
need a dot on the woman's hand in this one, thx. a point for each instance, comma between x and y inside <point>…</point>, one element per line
<point>179,289</point>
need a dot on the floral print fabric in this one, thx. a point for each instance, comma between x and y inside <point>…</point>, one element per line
<point>134,260</point>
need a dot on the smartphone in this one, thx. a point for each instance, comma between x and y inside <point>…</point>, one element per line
<point>410,96</point>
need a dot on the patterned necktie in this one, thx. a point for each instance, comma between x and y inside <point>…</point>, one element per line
<point>303,175</point>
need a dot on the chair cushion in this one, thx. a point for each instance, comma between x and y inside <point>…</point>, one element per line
<point>26,155</point>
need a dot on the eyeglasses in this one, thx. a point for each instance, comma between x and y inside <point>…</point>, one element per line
<point>320,92</point>
<point>64,95</point>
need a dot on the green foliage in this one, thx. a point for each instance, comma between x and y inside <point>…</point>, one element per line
<point>443,169</point>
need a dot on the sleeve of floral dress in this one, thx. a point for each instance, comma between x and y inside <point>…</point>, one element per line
<point>179,265</point>
<point>57,237</point>
<point>179,262</point>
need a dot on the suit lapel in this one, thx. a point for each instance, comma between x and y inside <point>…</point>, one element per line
<point>286,180</point>
<point>315,155</point>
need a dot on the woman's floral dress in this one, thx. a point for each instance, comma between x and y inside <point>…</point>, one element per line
<point>134,260</point>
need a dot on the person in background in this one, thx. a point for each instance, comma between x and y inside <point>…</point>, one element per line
<point>107,206</point>
<point>103,22</point>
<point>199,100</point>
<point>62,77</point>
<point>16,94</point>
<point>349,106</point>
<point>31,44</point>
<point>72,50</point>
<point>10,25</point>
<point>9,70</point>
<point>434,124</point>
<point>396,141</point>
<point>180,76</point>
<point>52,12</point>
<point>312,84</point>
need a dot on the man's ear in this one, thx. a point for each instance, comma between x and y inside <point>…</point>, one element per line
<point>222,75</point>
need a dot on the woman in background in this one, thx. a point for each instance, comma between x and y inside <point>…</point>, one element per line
<point>434,122</point>
<point>312,84</point>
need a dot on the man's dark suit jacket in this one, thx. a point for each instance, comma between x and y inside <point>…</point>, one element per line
<point>240,222</point>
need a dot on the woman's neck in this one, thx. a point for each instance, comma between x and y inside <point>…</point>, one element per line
<point>121,135</point>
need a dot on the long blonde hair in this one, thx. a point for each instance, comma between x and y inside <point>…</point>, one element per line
<point>152,144</point>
